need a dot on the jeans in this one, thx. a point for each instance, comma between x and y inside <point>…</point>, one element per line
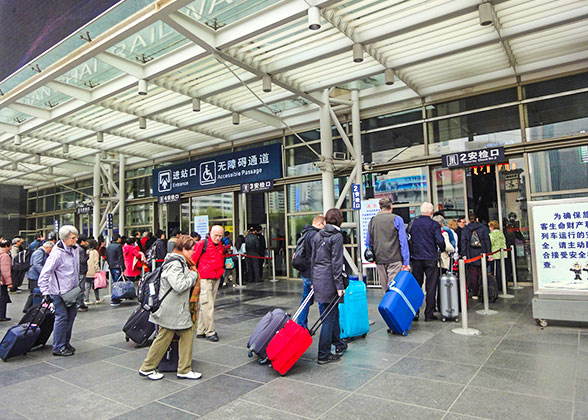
<point>330,332</point>
<point>303,317</point>
<point>115,275</point>
<point>64,320</point>
<point>428,269</point>
<point>89,286</point>
<point>82,282</point>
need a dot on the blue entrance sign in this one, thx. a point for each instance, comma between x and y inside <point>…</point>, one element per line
<point>355,196</point>
<point>245,166</point>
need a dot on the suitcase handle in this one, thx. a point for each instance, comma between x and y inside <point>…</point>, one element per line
<point>319,321</point>
<point>303,305</point>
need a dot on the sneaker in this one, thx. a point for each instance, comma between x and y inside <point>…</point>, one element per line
<point>213,337</point>
<point>330,359</point>
<point>475,297</point>
<point>433,318</point>
<point>189,375</point>
<point>88,303</point>
<point>114,303</point>
<point>5,319</point>
<point>153,375</point>
<point>70,348</point>
<point>83,309</point>
<point>341,350</point>
<point>64,351</point>
<point>99,301</point>
<point>200,335</point>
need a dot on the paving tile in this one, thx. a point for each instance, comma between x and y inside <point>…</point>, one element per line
<point>224,355</point>
<point>255,372</point>
<point>455,416</point>
<point>207,369</point>
<point>243,410</point>
<point>368,359</point>
<point>580,411</point>
<point>582,389</point>
<point>531,363</point>
<point>536,348</point>
<point>384,345</point>
<point>155,411</point>
<point>454,354</point>
<point>25,373</point>
<point>333,375</point>
<point>18,361</point>
<point>541,383</point>
<point>501,405</point>
<point>79,406</point>
<point>93,374</point>
<point>8,414</point>
<point>360,406</point>
<point>545,336</point>
<point>434,369</point>
<point>129,359</point>
<point>411,390</point>
<point>208,395</point>
<point>296,397</point>
<point>87,357</point>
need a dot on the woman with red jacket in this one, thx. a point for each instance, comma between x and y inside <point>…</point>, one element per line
<point>131,255</point>
<point>5,277</point>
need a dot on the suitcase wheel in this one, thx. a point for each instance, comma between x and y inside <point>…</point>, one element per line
<point>250,354</point>
<point>127,338</point>
<point>263,361</point>
<point>443,319</point>
<point>456,319</point>
<point>364,336</point>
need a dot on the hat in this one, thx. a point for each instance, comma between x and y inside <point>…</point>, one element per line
<point>15,241</point>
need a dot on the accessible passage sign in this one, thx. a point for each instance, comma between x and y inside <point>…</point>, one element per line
<point>252,165</point>
<point>560,231</point>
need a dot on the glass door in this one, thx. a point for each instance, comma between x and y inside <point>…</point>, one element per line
<point>277,229</point>
<point>449,192</point>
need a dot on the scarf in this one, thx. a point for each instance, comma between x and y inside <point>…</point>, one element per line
<point>194,295</point>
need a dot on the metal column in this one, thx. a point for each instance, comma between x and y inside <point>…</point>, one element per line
<point>328,178</point>
<point>356,133</point>
<point>96,198</point>
<point>121,194</point>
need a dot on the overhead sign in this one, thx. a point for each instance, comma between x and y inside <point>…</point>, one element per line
<point>201,225</point>
<point>257,186</point>
<point>560,236</point>
<point>369,208</point>
<point>56,226</point>
<point>473,157</point>
<point>245,166</point>
<point>583,154</point>
<point>84,210</point>
<point>355,196</point>
<point>170,198</point>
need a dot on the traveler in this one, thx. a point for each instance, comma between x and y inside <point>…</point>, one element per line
<point>328,280</point>
<point>426,240</point>
<point>114,257</point>
<point>138,244</point>
<point>93,268</point>
<point>16,247</point>
<point>144,239</point>
<point>36,243</point>
<point>445,258</point>
<point>389,243</point>
<point>150,241</point>
<point>196,236</point>
<point>497,241</point>
<point>5,277</point>
<point>177,312</point>
<point>228,276</point>
<point>252,250</point>
<point>60,275</point>
<point>474,242</point>
<point>210,264</point>
<point>261,249</point>
<point>461,223</point>
<point>452,225</point>
<point>308,233</point>
<point>17,276</point>
<point>160,248</point>
<point>172,239</point>
<point>132,255</point>
<point>83,250</point>
<point>38,260</point>
<point>240,247</point>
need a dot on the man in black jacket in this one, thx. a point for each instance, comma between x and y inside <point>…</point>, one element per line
<point>252,249</point>
<point>308,232</point>
<point>427,241</point>
<point>160,248</point>
<point>83,249</point>
<point>114,257</point>
<point>472,248</point>
<point>261,248</point>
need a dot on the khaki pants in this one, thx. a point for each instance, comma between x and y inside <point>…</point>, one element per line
<point>208,290</point>
<point>161,344</point>
<point>387,273</point>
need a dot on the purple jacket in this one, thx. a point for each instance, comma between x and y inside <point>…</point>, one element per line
<point>63,263</point>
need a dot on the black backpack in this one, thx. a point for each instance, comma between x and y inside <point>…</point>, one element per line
<point>149,289</point>
<point>299,258</point>
<point>22,262</point>
<point>150,255</point>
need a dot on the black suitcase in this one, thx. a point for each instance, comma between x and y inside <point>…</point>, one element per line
<point>138,327</point>
<point>264,331</point>
<point>43,317</point>
<point>169,363</point>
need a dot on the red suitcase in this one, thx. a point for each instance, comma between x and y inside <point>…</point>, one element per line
<point>290,343</point>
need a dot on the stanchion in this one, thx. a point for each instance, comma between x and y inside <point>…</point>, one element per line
<point>464,329</point>
<point>486,310</point>
<point>513,261</point>
<point>504,294</point>
<point>274,280</point>
<point>240,286</point>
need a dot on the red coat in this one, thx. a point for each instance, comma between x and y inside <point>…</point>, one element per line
<point>212,263</point>
<point>130,252</point>
<point>5,267</point>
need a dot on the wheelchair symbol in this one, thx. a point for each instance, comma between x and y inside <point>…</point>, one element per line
<point>208,173</point>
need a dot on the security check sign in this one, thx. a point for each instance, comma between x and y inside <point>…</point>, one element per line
<point>245,166</point>
<point>473,157</point>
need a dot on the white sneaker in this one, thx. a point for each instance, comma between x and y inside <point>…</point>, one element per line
<point>190,375</point>
<point>153,375</point>
<point>88,303</point>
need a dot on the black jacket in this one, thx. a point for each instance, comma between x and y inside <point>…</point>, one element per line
<point>261,245</point>
<point>160,249</point>
<point>252,244</point>
<point>466,236</point>
<point>114,256</point>
<point>309,231</point>
<point>150,242</point>
<point>83,260</point>
<point>327,264</point>
<point>426,238</point>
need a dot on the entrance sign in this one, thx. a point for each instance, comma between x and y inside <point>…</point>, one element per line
<point>257,186</point>
<point>201,225</point>
<point>170,198</point>
<point>369,208</point>
<point>242,167</point>
<point>473,157</point>
<point>355,196</point>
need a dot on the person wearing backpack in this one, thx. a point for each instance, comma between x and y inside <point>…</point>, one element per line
<point>475,241</point>
<point>177,313</point>
<point>301,261</point>
<point>5,278</point>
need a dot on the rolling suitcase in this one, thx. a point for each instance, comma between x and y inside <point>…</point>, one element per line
<point>42,316</point>
<point>169,363</point>
<point>290,343</point>
<point>19,339</point>
<point>449,297</point>
<point>353,311</point>
<point>138,327</point>
<point>401,302</point>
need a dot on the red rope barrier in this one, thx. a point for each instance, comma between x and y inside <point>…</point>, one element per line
<point>249,256</point>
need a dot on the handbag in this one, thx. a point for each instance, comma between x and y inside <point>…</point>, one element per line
<point>71,297</point>
<point>100,281</point>
<point>229,263</point>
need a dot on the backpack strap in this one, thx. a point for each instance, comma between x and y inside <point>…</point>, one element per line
<point>203,250</point>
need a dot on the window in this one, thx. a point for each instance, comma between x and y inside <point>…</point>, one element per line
<point>559,170</point>
<point>399,143</point>
<point>557,117</point>
<point>549,87</point>
<point>138,188</point>
<point>472,102</point>
<point>139,215</point>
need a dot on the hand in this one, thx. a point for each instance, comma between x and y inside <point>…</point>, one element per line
<point>405,268</point>
<point>47,298</point>
<point>490,258</point>
<point>340,292</point>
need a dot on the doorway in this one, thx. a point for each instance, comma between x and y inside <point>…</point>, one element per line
<point>482,195</point>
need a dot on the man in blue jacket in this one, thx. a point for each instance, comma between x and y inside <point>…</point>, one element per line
<point>427,242</point>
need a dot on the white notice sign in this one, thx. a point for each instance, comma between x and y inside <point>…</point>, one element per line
<point>201,225</point>
<point>369,208</point>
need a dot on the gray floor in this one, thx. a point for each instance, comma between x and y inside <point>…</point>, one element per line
<point>514,370</point>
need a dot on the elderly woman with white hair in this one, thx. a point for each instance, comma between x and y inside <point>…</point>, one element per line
<point>58,282</point>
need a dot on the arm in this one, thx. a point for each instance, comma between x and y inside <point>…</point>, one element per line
<point>448,247</point>
<point>5,268</point>
<point>179,279</point>
<point>439,238</point>
<point>37,260</point>
<point>95,257</point>
<point>403,238</point>
<point>46,272</point>
<point>338,262</point>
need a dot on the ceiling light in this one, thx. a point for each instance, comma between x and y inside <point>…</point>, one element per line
<point>196,104</point>
<point>389,75</point>
<point>66,148</point>
<point>37,158</point>
<point>485,12</point>
<point>17,140</point>
<point>357,53</point>
<point>142,87</point>
<point>267,83</point>
<point>99,137</point>
<point>142,123</point>
<point>235,118</point>
<point>314,18</point>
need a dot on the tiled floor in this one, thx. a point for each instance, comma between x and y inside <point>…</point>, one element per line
<point>514,370</point>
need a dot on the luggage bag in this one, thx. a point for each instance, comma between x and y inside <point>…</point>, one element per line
<point>43,317</point>
<point>19,339</point>
<point>123,289</point>
<point>353,311</point>
<point>138,327</point>
<point>169,363</point>
<point>401,302</point>
<point>449,297</point>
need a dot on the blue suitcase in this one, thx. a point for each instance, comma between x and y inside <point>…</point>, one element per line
<point>353,312</point>
<point>401,302</point>
<point>18,340</point>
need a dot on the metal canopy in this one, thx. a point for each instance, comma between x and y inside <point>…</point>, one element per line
<point>217,52</point>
